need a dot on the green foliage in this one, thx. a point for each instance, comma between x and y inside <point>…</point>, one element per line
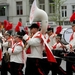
<point>58,4</point>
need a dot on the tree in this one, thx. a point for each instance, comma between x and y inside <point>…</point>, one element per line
<point>57,5</point>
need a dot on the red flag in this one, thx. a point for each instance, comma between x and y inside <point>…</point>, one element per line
<point>50,57</point>
<point>49,53</point>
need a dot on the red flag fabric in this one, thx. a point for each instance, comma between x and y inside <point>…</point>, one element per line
<point>0,54</point>
<point>49,53</point>
<point>50,57</point>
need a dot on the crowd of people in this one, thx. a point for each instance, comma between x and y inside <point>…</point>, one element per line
<point>23,49</point>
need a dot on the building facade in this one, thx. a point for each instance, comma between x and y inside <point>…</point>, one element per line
<point>15,10</point>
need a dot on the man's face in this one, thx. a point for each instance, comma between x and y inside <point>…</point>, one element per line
<point>33,30</point>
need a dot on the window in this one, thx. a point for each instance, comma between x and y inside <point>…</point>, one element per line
<point>51,6</point>
<point>64,11</point>
<point>42,4</point>
<point>73,8</point>
<point>2,10</point>
<point>19,8</point>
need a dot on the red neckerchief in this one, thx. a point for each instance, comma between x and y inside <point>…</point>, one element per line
<point>18,43</point>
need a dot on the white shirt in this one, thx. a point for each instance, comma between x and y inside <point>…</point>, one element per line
<point>35,45</point>
<point>71,44</point>
<point>18,54</point>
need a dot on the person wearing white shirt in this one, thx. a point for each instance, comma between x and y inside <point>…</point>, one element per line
<point>17,55</point>
<point>33,66</point>
<point>71,48</point>
<point>5,55</point>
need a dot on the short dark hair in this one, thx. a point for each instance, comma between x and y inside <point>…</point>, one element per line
<point>8,32</point>
<point>59,36</point>
<point>50,29</point>
<point>34,25</point>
